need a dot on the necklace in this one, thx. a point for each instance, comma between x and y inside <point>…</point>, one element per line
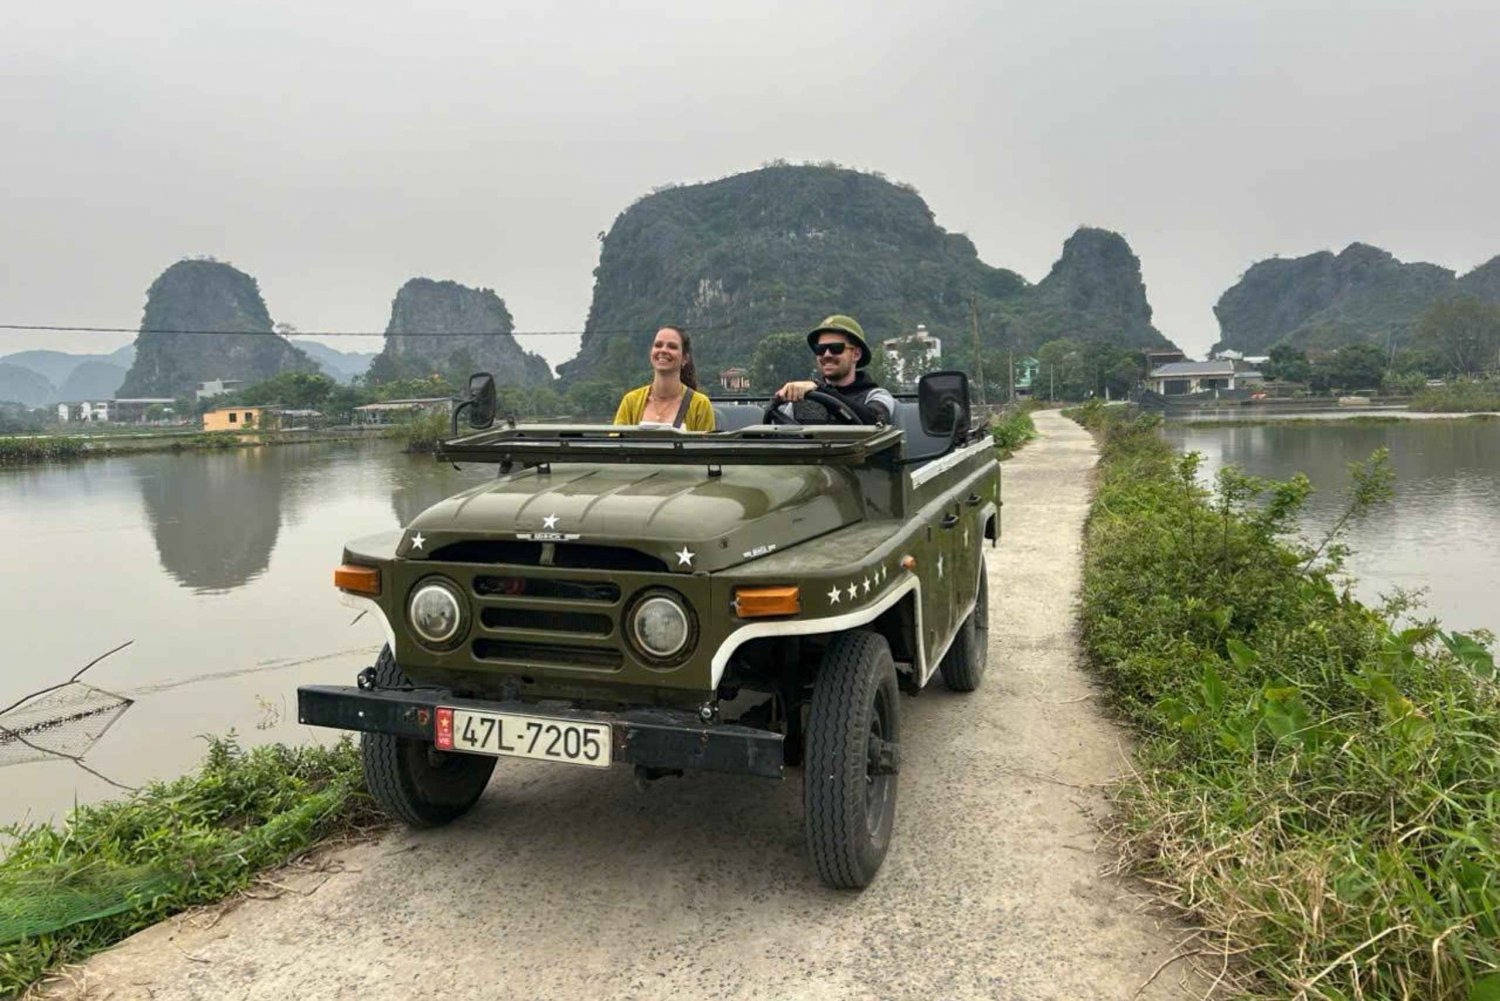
<point>659,407</point>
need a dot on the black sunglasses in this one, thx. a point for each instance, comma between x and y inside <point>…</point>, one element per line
<point>836,348</point>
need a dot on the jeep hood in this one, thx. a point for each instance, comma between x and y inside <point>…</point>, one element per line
<point>724,519</point>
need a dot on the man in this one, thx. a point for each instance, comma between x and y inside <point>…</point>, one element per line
<point>841,351</point>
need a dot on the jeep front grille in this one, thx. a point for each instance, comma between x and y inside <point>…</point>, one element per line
<point>551,655</point>
<point>587,623</point>
<point>486,585</point>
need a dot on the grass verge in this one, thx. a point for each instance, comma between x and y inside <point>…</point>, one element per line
<point>1014,429</point>
<point>114,868</point>
<point>1316,786</point>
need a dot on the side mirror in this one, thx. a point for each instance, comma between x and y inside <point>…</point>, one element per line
<point>943,404</point>
<point>482,402</point>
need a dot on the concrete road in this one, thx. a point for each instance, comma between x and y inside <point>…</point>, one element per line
<point>564,883</point>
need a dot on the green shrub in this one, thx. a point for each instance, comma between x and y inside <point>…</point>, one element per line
<point>19,451</point>
<point>1316,785</point>
<point>1014,429</point>
<point>1463,397</point>
<point>423,433</point>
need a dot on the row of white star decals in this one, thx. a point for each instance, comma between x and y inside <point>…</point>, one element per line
<point>857,587</point>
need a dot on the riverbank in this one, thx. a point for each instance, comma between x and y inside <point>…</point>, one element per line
<point>20,450</point>
<point>119,866</point>
<point>1315,779</point>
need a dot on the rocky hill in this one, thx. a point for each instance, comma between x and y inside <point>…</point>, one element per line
<point>1483,282</point>
<point>92,380</point>
<point>476,329</point>
<point>185,337</point>
<point>58,366</point>
<point>1361,294</point>
<point>23,386</point>
<point>779,248</point>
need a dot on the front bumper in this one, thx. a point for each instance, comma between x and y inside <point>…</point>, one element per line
<point>653,738</point>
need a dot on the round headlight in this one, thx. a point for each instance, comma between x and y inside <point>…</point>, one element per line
<point>661,626</point>
<point>435,613</point>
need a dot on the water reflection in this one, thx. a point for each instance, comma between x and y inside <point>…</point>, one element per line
<point>421,483</point>
<point>215,518</point>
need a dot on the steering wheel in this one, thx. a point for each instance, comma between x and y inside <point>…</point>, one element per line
<point>838,410</point>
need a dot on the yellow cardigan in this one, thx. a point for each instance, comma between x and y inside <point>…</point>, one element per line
<point>700,415</point>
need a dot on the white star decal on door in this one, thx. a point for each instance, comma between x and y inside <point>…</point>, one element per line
<point>853,590</point>
<point>550,521</point>
<point>684,557</point>
<point>833,596</point>
<point>866,583</point>
<point>940,567</point>
<point>417,540</point>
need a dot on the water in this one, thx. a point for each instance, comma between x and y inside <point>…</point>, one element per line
<point>1440,534</point>
<point>218,565</point>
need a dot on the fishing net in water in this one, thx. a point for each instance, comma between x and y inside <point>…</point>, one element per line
<point>59,722</point>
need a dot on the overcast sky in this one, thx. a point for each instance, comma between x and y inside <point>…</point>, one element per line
<point>336,149</point>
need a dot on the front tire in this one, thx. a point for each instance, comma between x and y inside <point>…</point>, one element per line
<point>851,760</point>
<point>412,780</point>
<point>964,663</point>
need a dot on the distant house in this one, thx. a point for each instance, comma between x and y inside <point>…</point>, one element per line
<point>920,347</point>
<point>1157,357</point>
<point>217,387</point>
<point>87,412</point>
<point>400,411</point>
<point>239,418</point>
<point>1027,369</point>
<point>735,378</point>
<point>1179,378</point>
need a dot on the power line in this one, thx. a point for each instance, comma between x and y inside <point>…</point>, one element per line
<point>56,328</point>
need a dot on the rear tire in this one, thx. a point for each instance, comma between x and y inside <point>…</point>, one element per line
<point>849,779</point>
<point>964,663</point>
<point>411,779</point>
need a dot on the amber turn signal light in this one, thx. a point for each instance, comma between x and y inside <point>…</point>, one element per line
<point>758,602</point>
<point>357,579</point>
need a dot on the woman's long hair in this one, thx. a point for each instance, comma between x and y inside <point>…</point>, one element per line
<point>689,373</point>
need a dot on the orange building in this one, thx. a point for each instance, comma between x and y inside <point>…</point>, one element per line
<point>238,419</point>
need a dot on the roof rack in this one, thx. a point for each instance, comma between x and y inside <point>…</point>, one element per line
<point>537,444</point>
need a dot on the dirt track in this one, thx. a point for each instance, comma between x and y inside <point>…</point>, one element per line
<point>564,883</point>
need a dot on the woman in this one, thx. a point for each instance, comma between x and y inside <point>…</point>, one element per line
<point>671,400</point>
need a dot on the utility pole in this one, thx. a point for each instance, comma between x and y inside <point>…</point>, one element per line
<point>978,354</point>
<point>1011,359</point>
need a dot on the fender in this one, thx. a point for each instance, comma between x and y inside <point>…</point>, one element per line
<point>812,627</point>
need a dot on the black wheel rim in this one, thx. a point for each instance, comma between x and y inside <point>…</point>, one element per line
<point>879,781</point>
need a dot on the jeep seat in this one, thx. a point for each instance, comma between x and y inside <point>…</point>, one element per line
<point>919,444</point>
<point>734,416</point>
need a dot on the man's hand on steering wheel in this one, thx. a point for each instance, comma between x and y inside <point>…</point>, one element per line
<point>838,411</point>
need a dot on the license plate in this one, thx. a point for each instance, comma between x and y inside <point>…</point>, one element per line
<point>516,736</point>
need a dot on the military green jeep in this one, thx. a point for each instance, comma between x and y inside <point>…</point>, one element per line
<point>741,601</point>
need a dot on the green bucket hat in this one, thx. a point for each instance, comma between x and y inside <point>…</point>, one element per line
<point>838,323</point>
